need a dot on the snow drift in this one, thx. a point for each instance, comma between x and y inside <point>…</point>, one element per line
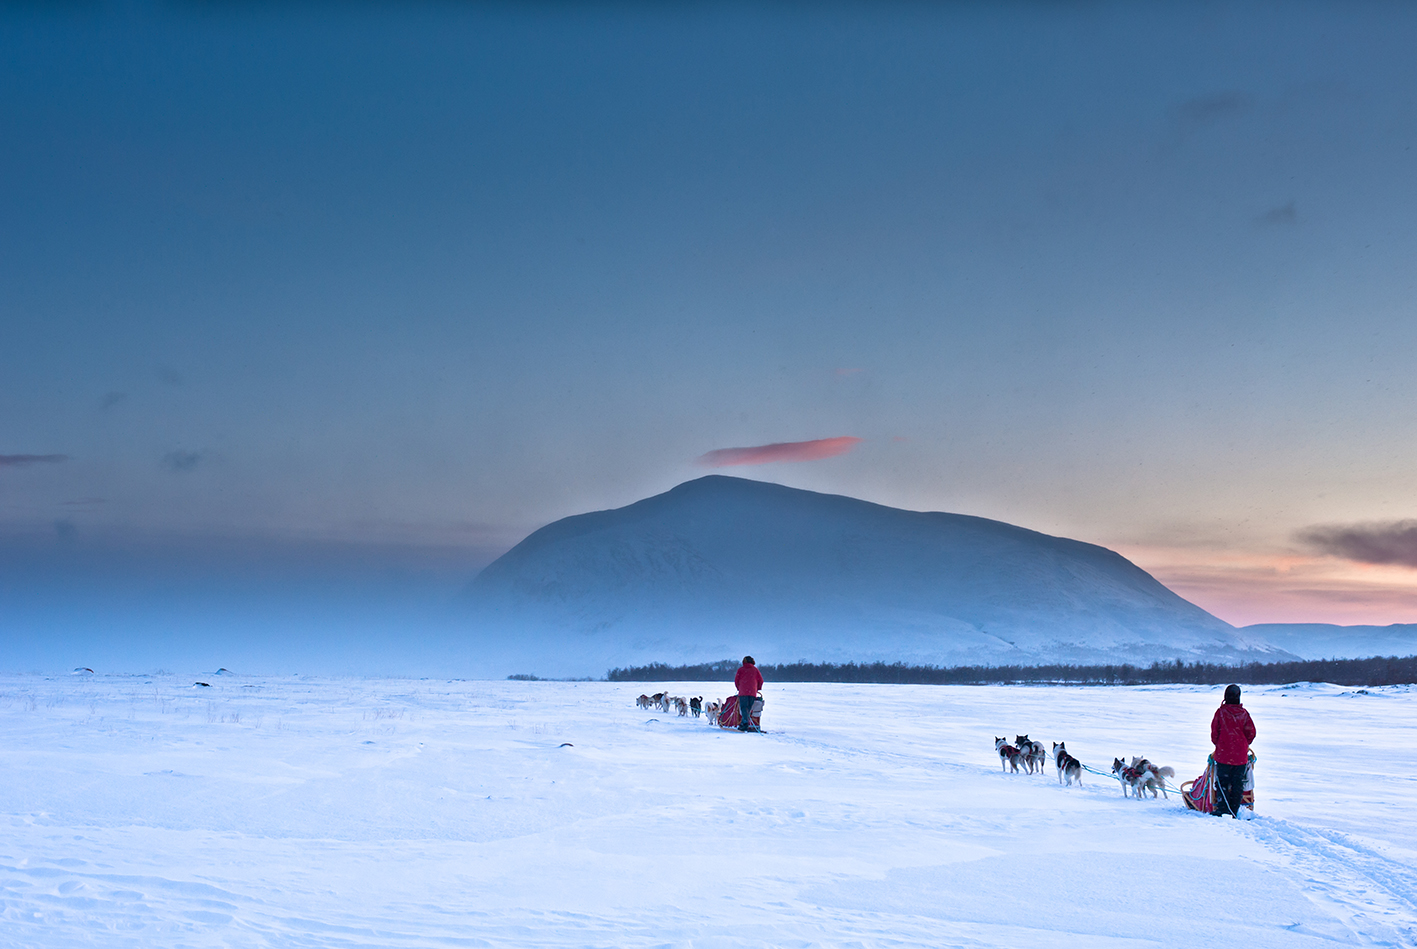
<point>720,566</point>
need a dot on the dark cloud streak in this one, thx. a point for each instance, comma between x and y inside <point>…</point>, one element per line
<point>1205,110</point>
<point>1391,543</point>
<point>1283,216</point>
<point>182,460</point>
<point>19,461</point>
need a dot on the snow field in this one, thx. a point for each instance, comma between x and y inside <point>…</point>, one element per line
<point>142,811</point>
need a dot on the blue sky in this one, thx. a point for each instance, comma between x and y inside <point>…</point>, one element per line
<point>412,280</point>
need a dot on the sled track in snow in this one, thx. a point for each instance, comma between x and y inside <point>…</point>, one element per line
<point>1375,894</point>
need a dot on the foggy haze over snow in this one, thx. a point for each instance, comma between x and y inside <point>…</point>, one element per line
<point>313,312</point>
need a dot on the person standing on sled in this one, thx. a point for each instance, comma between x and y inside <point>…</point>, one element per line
<point>749,682</point>
<point>1231,731</point>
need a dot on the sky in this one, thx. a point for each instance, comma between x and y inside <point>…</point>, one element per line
<point>326,299</point>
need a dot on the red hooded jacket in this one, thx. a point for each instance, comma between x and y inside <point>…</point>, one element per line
<point>1231,731</point>
<point>748,680</point>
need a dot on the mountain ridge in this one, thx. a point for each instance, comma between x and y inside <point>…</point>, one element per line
<point>719,562</point>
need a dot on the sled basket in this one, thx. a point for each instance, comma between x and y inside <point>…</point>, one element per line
<point>728,718</point>
<point>1199,794</point>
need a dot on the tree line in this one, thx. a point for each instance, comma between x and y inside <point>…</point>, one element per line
<point>1377,670</point>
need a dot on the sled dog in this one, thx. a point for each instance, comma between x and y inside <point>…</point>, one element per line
<point>1008,754</point>
<point>1127,776</point>
<point>1068,766</point>
<point>1033,753</point>
<point>1152,777</point>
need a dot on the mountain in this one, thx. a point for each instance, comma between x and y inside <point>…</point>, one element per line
<point>1326,641</point>
<point>719,567</point>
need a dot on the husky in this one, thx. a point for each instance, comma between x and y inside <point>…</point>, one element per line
<point>643,701</point>
<point>1033,753</point>
<point>1152,777</point>
<point>1008,754</point>
<point>696,705</point>
<point>1127,776</point>
<point>1068,766</point>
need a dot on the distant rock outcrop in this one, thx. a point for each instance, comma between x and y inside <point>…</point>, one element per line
<point>722,566</point>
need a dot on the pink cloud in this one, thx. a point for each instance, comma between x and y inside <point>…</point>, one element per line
<point>813,450</point>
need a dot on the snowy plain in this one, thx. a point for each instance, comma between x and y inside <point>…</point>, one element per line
<point>145,811</point>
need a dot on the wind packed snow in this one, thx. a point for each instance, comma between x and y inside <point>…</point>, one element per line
<point>338,812</point>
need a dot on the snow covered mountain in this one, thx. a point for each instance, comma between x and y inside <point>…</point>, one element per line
<point>1326,641</point>
<point>721,566</point>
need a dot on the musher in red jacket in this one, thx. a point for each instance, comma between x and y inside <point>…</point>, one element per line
<point>749,682</point>
<point>1231,731</point>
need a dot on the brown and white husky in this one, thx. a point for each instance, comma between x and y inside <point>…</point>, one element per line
<point>1152,777</point>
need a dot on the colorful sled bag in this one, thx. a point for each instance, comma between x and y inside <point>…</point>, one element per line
<point>728,718</point>
<point>1199,794</point>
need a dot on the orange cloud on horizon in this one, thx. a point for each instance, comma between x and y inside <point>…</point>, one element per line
<point>813,450</point>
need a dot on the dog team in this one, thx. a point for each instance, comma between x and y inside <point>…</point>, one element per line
<point>1030,756</point>
<point>696,706</point>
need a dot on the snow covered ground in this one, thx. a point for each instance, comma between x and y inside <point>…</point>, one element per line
<point>293,812</point>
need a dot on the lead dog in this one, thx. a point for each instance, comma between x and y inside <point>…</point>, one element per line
<point>1068,766</point>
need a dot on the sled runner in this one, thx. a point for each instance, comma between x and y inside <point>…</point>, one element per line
<point>728,718</point>
<point>1199,794</point>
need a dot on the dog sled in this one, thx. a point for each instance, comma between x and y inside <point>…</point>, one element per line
<point>1199,795</point>
<point>728,718</point>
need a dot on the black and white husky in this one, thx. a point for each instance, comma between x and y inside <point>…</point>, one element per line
<point>1008,754</point>
<point>1127,776</point>
<point>1068,766</point>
